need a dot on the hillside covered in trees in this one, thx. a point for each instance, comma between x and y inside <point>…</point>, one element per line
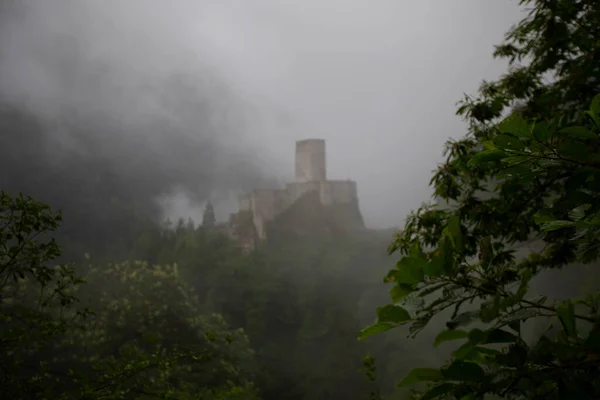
<point>290,311</point>
<point>105,300</point>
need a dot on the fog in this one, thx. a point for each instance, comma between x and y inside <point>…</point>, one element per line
<point>124,111</point>
<point>206,98</point>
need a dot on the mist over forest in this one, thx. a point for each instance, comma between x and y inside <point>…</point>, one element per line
<point>131,270</point>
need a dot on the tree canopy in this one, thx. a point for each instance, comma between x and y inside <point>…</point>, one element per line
<point>516,196</point>
<point>148,338</point>
<point>170,326</point>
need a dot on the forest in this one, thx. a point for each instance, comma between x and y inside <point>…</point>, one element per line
<point>488,292</point>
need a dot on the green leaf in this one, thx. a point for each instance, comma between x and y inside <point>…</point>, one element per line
<point>489,311</point>
<point>400,291</point>
<point>555,225</point>
<point>448,335</point>
<point>431,289</point>
<point>516,126</point>
<point>410,270</point>
<point>514,171</point>
<point>464,352</point>
<point>515,357</point>
<point>593,341</point>
<point>595,106</point>
<point>463,371</point>
<point>415,251</point>
<point>418,375</point>
<point>526,276</point>
<point>579,132</point>
<point>499,336</point>
<point>542,132</point>
<point>572,149</point>
<point>469,352</point>
<point>476,336</point>
<point>595,117</point>
<point>489,145</point>
<point>437,391</point>
<point>464,318</point>
<point>486,251</point>
<point>508,142</point>
<point>393,313</point>
<point>579,212</point>
<point>391,276</point>
<point>543,216</point>
<point>566,314</point>
<point>515,326</point>
<point>435,267</point>
<point>594,111</point>
<point>485,157</point>
<point>454,232</point>
<point>374,329</point>
<point>446,251</point>
<point>514,160</point>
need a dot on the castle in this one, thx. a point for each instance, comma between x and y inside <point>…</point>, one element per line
<point>259,208</point>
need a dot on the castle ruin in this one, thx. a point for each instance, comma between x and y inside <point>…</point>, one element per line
<point>249,226</point>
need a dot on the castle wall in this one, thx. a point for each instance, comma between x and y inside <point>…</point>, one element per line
<point>265,206</point>
<point>336,192</point>
<point>259,207</point>
<point>310,160</point>
<point>297,189</point>
<point>281,202</point>
<point>241,228</point>
<point>245,202</point>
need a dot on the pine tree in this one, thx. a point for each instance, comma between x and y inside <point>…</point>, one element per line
<point>190,225</point>
<point>208,218</point>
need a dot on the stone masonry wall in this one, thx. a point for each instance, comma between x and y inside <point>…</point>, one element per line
<point>265,205</point>
<point>297,189</point>
<point>310,161</point>
<point>338,192</point>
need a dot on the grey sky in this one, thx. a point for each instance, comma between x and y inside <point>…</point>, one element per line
<point>377,79</point>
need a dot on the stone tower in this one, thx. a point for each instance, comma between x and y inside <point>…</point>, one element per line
<point>332,204</point>
<point>310,161</point>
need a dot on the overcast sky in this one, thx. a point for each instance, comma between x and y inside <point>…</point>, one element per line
<point>378,79</point>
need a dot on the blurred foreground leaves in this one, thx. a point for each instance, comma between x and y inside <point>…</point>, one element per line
<point>516,196</point>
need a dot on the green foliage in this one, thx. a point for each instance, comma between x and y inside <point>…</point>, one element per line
<point>531,177</point>
<point>297,299</point>
<point>370,370</point>
<point>33,295</point>
<point>567,224</point>
<point>149,338</point>
<point>148,317</point>
<point>450,334</point>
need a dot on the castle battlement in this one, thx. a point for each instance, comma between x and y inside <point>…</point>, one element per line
<point>264,205</point>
